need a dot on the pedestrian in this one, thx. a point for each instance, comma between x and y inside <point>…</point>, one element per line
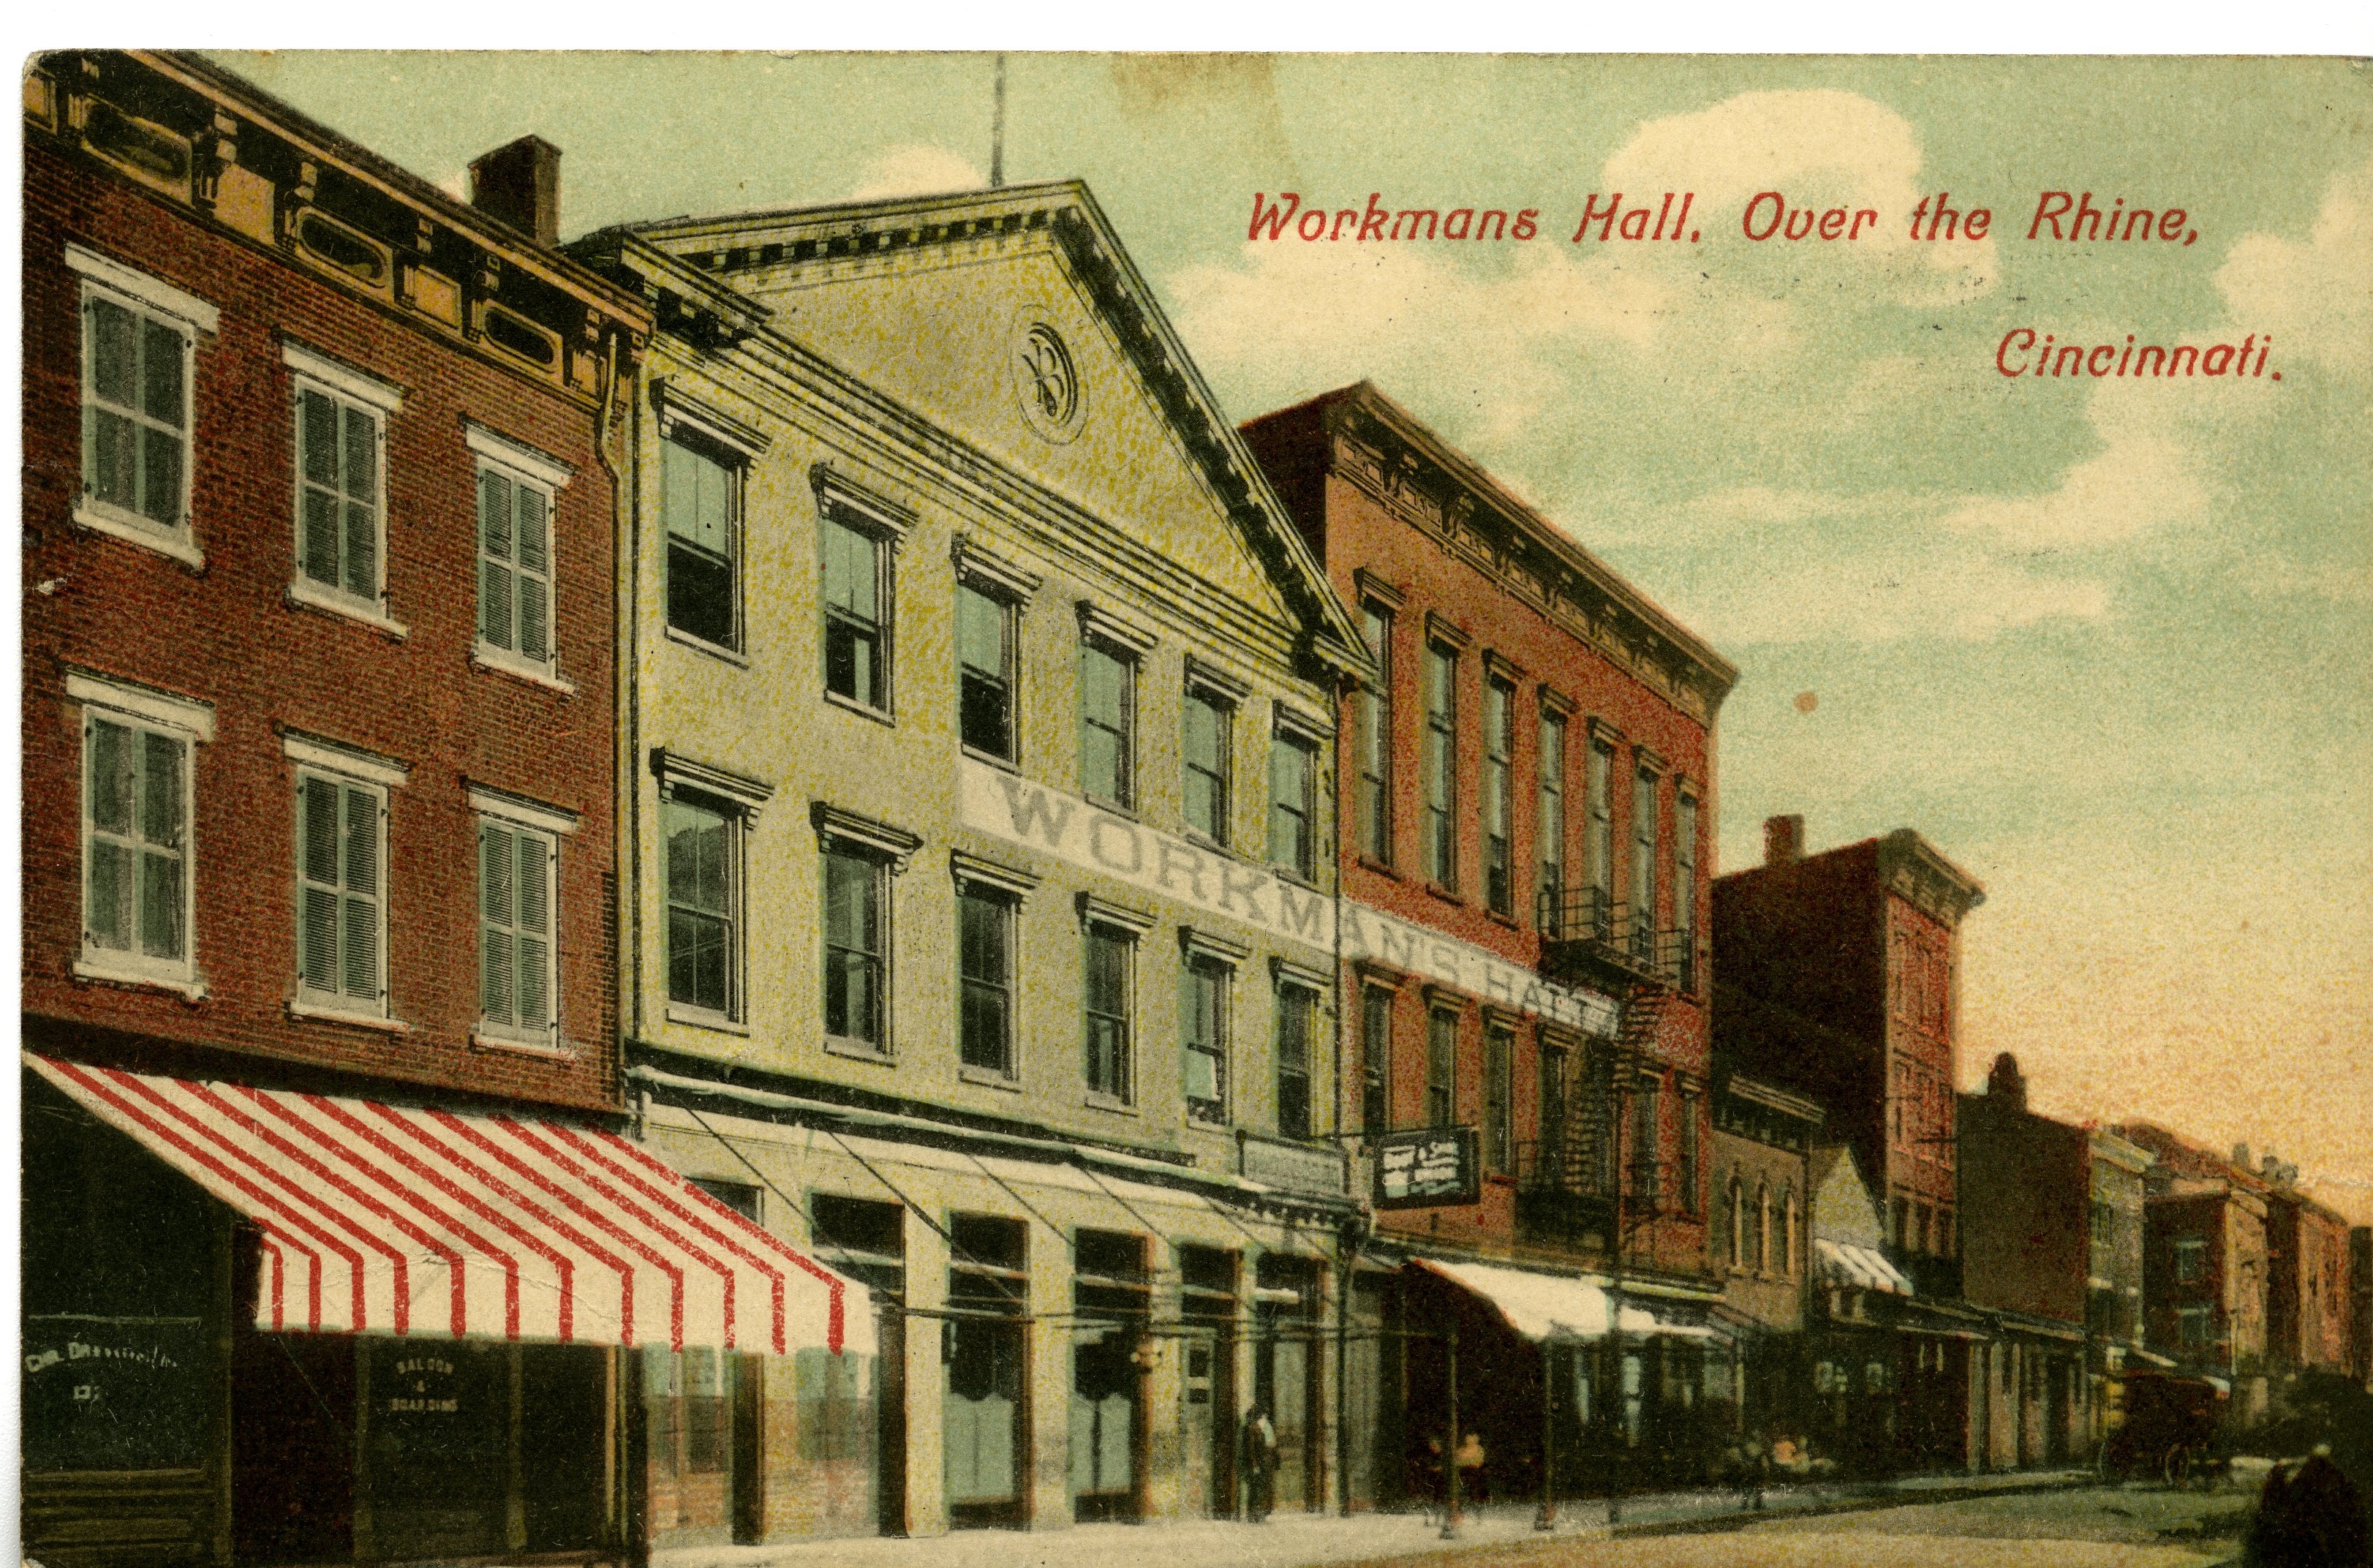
<point>1434,1478</point>
<point>1472,1486</point>
<point>1260,1465</point>
<point>2308,1517</point>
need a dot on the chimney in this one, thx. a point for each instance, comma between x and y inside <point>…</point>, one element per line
<point>2241,1156</point>
<point>519,183</point>
<point>1784,840</point>
<point>2006,1084</point>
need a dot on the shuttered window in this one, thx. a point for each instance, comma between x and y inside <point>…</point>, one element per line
<point>340,894</point>
<point>338,537</point>
<point>135,866</point>
<point>514,566</point>
<point>135,410</point>
<point>704,875</point>
<point>517,870</point>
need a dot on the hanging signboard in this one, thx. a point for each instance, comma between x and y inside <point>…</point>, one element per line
<point>1431,1167</point>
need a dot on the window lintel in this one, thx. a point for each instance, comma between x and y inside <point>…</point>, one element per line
<point>858,506</point>
<point>502,451</point>
<point>337,757</point>
<point>187,715</point>
<point>1201,942</point>
<point>1300,977</point>
<point>339,377</point>
<point>487,801</point>
<point>673,768</point>
<point>997,877</point>
<point>870,834</point>
<point>153,292</point>
<point>992,573</point>
<point>675,407</point>
<point>1095,911</point>
<point>1102,626</point>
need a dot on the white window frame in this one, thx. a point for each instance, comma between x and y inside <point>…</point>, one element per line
<point>140,710</point>
<point>154,299</point>
<point>520,465</point>
<point>347,389</point>
<point>738,801</point>
<point>706,440</point>
<point>548,826</point>
<point>378,778</point>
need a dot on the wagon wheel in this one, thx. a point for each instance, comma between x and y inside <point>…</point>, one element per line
<point>2177,1467</point>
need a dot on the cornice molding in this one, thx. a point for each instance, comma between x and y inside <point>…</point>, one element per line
<point>987,571</point>
<point>1917,872</point>
<point>892,843</point>
<point>740,791</point>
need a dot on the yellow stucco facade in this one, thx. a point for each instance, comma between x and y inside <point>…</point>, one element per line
<point>881,405</point>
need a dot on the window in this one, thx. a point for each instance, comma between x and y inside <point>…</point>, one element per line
<point>1292,803</point>
<point>341,466</point>
<point>1643,866</point>
<point>985,978</point>
<point>1737,1221</point>
<point>1442,766</point>
<point>1499,810</point>
<point>1441,1068</point>
<point>856,612</point>
<point>514,566</point>
<point>1549,829</point>
<point>1110,957</point>
<point>985,671</point>
<point>2193,1326</point>
<point>1203,1018</point>
<point>137,802</point>
<point>1374,804</point>
<point>1206,722</point>
<point>342,905</point>
<point>1375,1060</point>
<point>1903,1224</point>
<point>1553,1062</point>
<point>1685,892</point>
<point>517,877</point>
<point>856,949</point>
<point>1788,1230</point>
<point>700,496</point>
<point>1646,1125</point>
<point>1598,787</point>
<point>704,877</point>
<point>2190,1259</point>
<point>1107,723</point>
<point>137,406</point>
<point>1688,1168</point>
<point>1499,1109</point>
<point>1762,1228</point>
<point>1295,1006</point>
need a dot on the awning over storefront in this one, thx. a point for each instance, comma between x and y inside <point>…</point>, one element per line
<point>1556,1306</point>
<point>387,1219</point>
<point>1861,1267</point>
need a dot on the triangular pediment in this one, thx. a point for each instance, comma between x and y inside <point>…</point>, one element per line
<point>1012,320</point>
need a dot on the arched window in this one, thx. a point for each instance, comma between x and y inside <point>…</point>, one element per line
<point>1762,1229</point>
<point>1737,1223</point>
<point>1788,1230</point>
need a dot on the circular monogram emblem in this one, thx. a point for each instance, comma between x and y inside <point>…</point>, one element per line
<point>1044,379</point>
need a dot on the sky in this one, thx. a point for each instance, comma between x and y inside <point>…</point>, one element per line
<point>2106,642</point>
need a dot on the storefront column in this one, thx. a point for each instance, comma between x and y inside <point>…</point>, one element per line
<point>225,1315</point>
<point>1046,1379</point>
<point>926,1382</point>
<point>1165,1403</point>
<point>515,1478</point>
<point>366,1521</point>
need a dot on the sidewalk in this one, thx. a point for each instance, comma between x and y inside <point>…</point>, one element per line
<point>1305,1540</point>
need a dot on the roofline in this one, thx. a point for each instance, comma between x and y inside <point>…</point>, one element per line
<point>1334,637</point>
<point>1544,530</point>
<point>1910,840</point>
<point>200,74</point>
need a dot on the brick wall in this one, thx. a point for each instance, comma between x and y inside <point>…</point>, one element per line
<point>226,635</point>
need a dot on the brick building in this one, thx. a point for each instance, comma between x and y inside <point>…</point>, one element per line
<point>1762,1200</point>
<point>1526,794</point>
<point>2306,1276</point>
<point>1839,982</point>
<point>2204,1263</point>
<point>318,849</point>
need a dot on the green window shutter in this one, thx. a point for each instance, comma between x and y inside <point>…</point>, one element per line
<point>495,866</point>
<point>536,866</point>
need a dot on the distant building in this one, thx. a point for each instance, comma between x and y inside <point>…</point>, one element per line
<point>2308,1276</point>
<point>1763,1141</point>
<point>2360,1305</point>
<point>2051,1239</point>
<point>2204,1263</point>
<point>1838,983</point>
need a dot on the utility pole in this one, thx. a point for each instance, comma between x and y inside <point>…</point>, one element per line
<point>1450,1513</point>
<point>997,131</point>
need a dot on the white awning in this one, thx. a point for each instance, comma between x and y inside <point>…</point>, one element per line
<point>1557,1307</point>
<point>1861,1267</point>
<point>379,1219</point>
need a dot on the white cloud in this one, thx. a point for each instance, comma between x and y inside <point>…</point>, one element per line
<point>2144,477</point>
<point>1922,589</point>
<point>1400,315</point>
<point>1818,148</point>
<point>2316,295</point>
<point>916,169</point>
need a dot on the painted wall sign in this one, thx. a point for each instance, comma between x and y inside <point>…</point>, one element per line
<point>1054,822</point>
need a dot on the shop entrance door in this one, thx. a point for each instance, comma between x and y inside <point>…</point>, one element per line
<point>436,1447</point>
<point>984,1417</point>
<point>292,1446</point>
<point>1206,1425</point>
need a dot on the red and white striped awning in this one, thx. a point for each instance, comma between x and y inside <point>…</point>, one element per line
<point>387,1219</point>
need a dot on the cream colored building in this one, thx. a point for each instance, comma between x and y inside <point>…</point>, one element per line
<point>977,918</point>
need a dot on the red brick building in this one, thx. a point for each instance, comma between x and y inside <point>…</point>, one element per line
<point>1840,979</point>
<point>1526,801</point>
<point>318,769</point>
<point>2205,1262</point>
<point>2306,1277</point>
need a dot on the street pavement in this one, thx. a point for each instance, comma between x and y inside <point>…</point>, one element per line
<point>2026,1520</point>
